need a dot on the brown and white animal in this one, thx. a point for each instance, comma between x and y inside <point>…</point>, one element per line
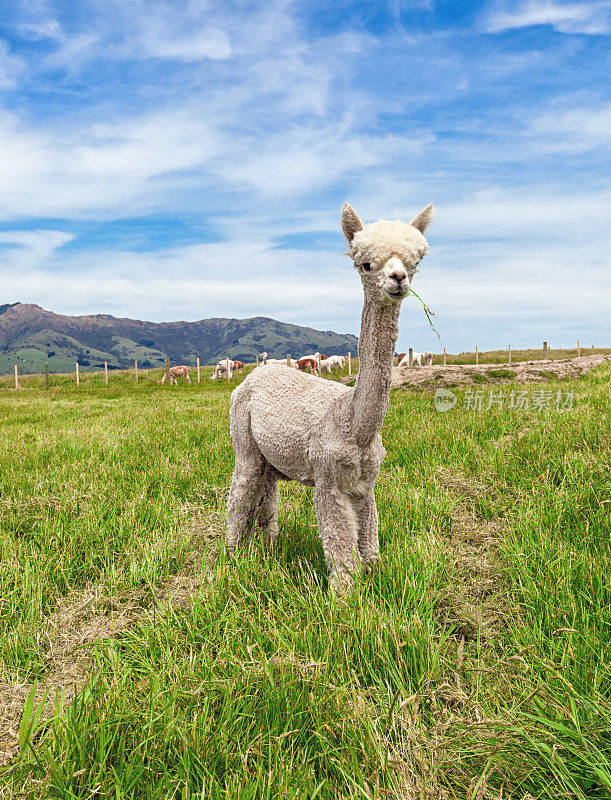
<point>289,426</point>
<point>238,366</point>
<point>417,359</point>
<point>177,372</point>
<point>221,369</point>
<point>307,363</point>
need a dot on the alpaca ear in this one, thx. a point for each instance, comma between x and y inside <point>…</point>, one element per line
<point>351,223</point>
<point>424,219</point>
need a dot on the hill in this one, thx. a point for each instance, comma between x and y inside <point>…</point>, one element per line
<point>31,336</point>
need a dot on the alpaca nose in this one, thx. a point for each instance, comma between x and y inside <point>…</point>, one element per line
<point>399,275</point>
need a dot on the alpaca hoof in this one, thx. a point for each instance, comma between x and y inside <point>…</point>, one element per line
<point>370,565</point>
<point>340,584</point>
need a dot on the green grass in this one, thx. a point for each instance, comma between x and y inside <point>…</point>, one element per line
<point>264,685</point>
<point>502,356</point>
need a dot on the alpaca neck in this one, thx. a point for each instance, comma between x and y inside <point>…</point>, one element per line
<point>379,332</point>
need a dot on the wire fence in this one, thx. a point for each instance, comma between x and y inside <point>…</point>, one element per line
<point>232,369</point>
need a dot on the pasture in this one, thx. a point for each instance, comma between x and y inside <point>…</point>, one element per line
<point>473,663</point>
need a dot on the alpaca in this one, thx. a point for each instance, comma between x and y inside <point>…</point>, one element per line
<point>282,361</point>
<point>290,426</point>
<point>177,372</point>
<point>332,362</point>
<point>417,359</point>
<point>238,366</point>
<point>307,363</point>
<point>224,366</point>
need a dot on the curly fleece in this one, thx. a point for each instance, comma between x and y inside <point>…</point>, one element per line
<point>379,241</point>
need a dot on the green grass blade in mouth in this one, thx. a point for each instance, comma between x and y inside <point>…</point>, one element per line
<point>428,313</point>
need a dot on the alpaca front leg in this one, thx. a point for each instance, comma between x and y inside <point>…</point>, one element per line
<point>244,495</point>
<point>267,515</point>
<point>337,525</point>
<point>367,521</point>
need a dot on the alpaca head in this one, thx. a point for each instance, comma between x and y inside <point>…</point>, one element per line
<point>386,254</point>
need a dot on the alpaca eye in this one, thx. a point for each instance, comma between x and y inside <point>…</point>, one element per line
<point>366,266</point>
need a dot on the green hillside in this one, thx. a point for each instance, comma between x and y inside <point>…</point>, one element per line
<point>31,336</point>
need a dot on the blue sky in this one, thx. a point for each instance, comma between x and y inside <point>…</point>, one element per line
<point>181,160</point>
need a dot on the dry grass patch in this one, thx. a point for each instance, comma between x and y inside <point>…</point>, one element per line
<point>91,617</point>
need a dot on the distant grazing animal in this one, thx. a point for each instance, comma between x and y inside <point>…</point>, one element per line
<point>332,362</point>
<point>289,426</point>
<point>221,369</point>
<point>416,360</point>
<point>307,363</point>
<point>238,366</point>
<point>281,361</point>
<point>177,372</point>
<point>316,356</point>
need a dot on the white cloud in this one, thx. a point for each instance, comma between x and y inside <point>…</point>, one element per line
<point>10,67</point>
<point>573,127</point>
<point>22,250</point>
<point>582,17</point>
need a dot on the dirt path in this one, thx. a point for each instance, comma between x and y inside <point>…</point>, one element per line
<point>523,372</point>
<point>84,620</point>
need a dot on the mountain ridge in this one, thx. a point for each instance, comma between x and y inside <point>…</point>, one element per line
<point>30,336</point>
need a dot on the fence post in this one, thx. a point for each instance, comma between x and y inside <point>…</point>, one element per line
<point>349,365</point>
<point>509,354</point>
<point>319,369</point>
<point>411,356</point>
<point>544,349</point>
<point>136,370</point>
<point>288,359</point>
<point>444,356</point>
<point>198,369</point>
<point>476,355</point>
<point>106,373</point>
<point>257,361</point>
<point>16,378</point>
<point>167,372</point>
<point>47,375</point>
<point>578,348</point>
<point>227,368</point>
<point>77,373</point>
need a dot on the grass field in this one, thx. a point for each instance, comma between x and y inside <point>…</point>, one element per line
<point>474,663</point>
<point>501,356</point>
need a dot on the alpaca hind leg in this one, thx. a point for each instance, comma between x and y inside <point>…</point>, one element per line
<point>367,521</point>
<point>267,514</point>
<point>337,525</point>
<point>244,495</point>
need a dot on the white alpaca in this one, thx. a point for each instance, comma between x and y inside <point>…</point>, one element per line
<point>221,369</point>
<point>417,359</point>
<point>291,426</point>
<point>332,362</point>
<point>281,361</point>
